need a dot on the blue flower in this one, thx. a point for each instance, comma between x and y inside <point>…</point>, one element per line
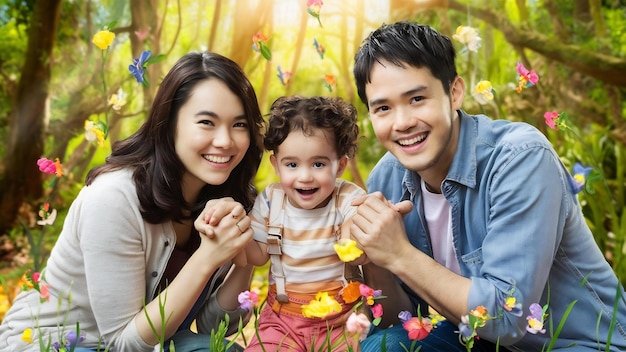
<point>579,176</point>
<point>138,66</point>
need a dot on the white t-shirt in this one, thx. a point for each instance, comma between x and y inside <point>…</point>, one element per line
<point>437,214</point>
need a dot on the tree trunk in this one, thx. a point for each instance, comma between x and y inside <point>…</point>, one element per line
<point>21,180</point>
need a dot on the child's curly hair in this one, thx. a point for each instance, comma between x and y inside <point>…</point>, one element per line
<point>334,115</point>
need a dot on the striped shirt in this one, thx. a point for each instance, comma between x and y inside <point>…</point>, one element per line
<point>309,259</point>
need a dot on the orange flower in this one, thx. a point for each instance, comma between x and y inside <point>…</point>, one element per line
<point>351,292</point>
<point>330,82</point>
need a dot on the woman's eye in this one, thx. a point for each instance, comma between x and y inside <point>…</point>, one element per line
<point>241,124</point>
<point>206,122</point>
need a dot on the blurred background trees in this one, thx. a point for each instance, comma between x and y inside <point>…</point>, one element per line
<point>53,79</point>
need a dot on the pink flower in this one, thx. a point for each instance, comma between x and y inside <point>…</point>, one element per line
<point>525,78</point>
<point>369,293</point>
<point>50,167</point>
<point>358,324</point>
<point>36,277</point>
<point>377,310</point>
<point>142,34</point>
<point>315,5</point>
<point>552,119</point>
<point>44,292</point>
<point>418,328</point>
<point>46,166</point>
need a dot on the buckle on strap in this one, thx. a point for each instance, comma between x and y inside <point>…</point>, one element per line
<point>274,240</point>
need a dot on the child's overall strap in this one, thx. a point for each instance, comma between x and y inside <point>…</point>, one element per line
<point>274,242</point>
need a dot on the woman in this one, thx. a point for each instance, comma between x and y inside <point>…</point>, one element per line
<point>130,233</point>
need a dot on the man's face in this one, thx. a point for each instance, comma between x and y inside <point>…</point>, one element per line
<point>414,118</point>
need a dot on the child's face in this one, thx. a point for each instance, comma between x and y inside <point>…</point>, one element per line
<point>308,167</point>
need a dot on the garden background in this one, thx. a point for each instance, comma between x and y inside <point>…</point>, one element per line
<point>53,79</point>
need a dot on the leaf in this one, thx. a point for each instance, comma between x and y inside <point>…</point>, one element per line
<point>154,60</point>
<point>265,51</point>
<point>111,25</point>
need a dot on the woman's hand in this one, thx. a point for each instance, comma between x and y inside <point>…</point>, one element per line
<point>225,226</point>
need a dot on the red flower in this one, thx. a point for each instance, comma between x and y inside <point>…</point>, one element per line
<point>418,328</point>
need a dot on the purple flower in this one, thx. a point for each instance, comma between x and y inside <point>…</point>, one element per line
<point>248,300</point>
<point>69,342</point>
<point>535,319</point>
<point>138,66</point>
<point>464,329</point>
<point>404,316</point>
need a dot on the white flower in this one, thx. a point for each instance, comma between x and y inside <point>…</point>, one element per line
<point>468,36</point>
<point>118,100</point>
<point>49,220</point>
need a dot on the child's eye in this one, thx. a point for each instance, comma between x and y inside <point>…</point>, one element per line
<point>318,164</point>
<point>291,165</point>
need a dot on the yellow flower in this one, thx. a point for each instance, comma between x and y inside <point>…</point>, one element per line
<point>5,304</point>
<point>483,92</point>
<point>27,336</point>
<point>436,319</point>
<point>321,306</point>
<point>103,39</point>
<point>93,132</point>
<point>347,250</point>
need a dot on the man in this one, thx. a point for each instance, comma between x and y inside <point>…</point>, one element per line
<point>470,212</point>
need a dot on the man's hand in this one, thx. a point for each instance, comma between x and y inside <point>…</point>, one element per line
<point>378,227</point>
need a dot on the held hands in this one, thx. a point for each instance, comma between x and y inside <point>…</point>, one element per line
<point>225,226</point>
<point>378,227</point>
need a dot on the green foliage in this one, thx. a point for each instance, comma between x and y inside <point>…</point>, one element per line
<point>18,11</point>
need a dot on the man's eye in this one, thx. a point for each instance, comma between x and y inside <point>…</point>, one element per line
<point>381,108</point>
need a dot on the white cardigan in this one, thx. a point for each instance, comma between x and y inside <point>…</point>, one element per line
<point>109,260</point>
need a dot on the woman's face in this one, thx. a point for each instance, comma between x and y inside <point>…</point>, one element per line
<point>212,136</point>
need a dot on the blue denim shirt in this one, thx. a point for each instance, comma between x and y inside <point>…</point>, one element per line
<point>517,230</point>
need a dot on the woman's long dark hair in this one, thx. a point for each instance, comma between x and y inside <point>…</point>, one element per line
<point>157,170</point>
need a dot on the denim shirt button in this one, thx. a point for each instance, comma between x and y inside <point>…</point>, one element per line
<point>155,274</point>
<point>167,243</point>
